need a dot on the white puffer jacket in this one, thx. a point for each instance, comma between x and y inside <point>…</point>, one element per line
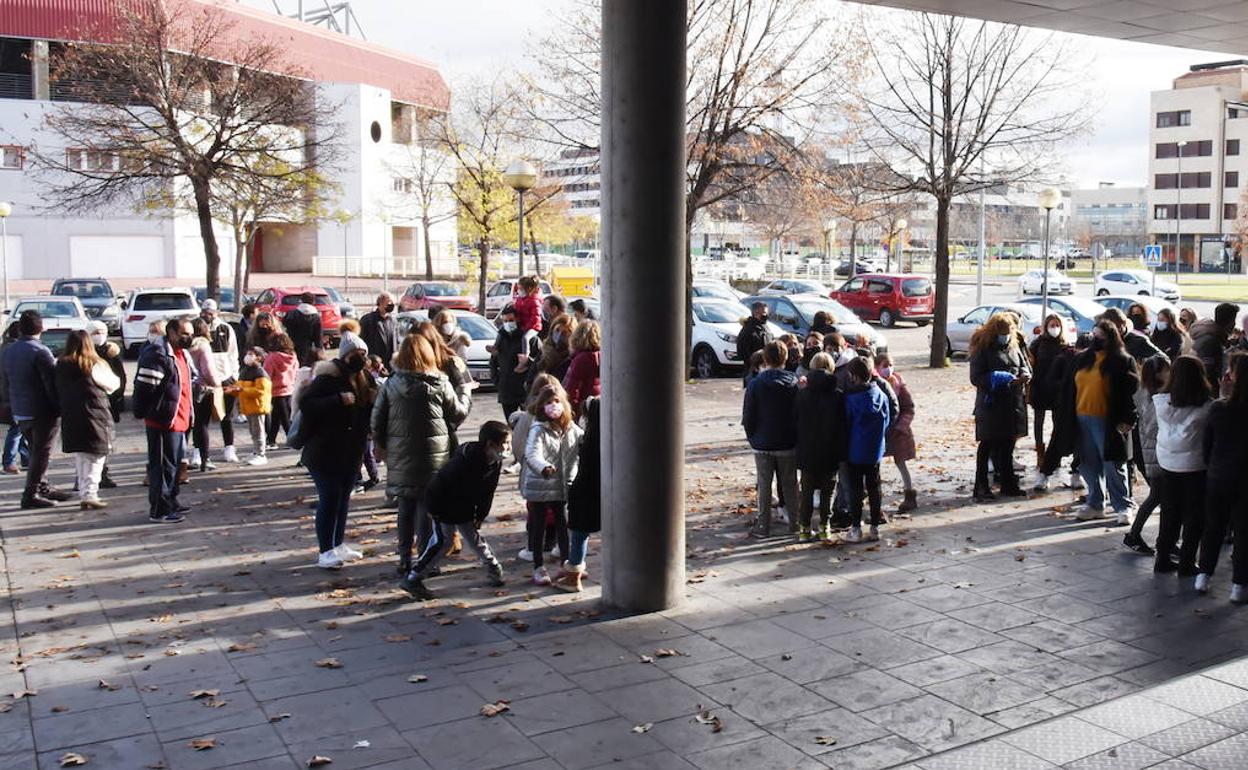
<point>1180,435</point>
<point>545,447</point>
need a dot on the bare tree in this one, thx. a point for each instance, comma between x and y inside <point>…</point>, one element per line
<point>182,99</point>
<point>428,171</point>
<point>954,96</point>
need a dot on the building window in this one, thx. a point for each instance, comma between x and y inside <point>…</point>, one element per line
<point>1165,181</point>
<point>1163,212</point>
<point>1199,149</point>
<point>1194,211</point>
<point>401,185</point>
<point>1232,146</point>
<point>1232,179</point>
<point>80,159</point>
<point>1236,112</point>
<point>12,157</point>
<point>1172,119</point>
<point>1230,211</point>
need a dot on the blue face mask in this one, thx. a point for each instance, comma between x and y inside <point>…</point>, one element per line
<point>1003,339</point>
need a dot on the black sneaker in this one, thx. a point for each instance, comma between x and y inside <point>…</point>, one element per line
<point>1137,544</point>
<point>37,501</point>
<point>52,493</point>
<point>495,576</point>
<point>173,517</point>
<point>759,533</point>
<point>106,482</point>
<point>368,485</point>
<point>1165,566</point>
<point>416,588</point>
<point>179,508</point>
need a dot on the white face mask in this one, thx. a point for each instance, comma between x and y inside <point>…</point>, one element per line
<point>448,329</point>
<point>98,339</point>
<point>1162,326</point>
<point>554,410</point>
<point>1055,331</point>
<point>154,338</point>
<point>509,326</point>
<point>886,372</point>
<point>249,359</point>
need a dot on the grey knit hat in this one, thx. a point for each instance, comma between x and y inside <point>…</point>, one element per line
<point>350,343</point>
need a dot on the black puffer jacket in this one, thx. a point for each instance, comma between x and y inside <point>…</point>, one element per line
<point>512,388</point>
<point>753,337</point>
<point>999,416</point>
<point>334,433</point>
<point>413,420</point>
<point>86,419</point>
<point>584,496</point>
<point>1046,353</point>
<point>821,424</point>
<point>463,490</point>
<point>1140,347</point>
<point>1170,341</point>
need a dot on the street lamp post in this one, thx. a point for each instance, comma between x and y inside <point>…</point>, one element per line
<point>1048,199</point>
<point>1178,211</point>
<point>6,209</point>
<point>829,239</point>
<point>521,176</point>
<point>899,227</point>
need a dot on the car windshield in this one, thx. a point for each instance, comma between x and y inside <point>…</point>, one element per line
<point>48,309</point>
<point>333,293</point>
<point>718,312</point>
<point>713,290</point>
<point>320,300</point>
<point>842,314</point>
<point>55,340</point>
<point>477,327</point>
<point>441,290</point>
<point>916,287</point>
<point>164,301</point>
<point>807,287</point>
<point>83,289</point>
<point>225,296</point>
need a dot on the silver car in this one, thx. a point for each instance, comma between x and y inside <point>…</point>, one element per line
<point>959,331</point>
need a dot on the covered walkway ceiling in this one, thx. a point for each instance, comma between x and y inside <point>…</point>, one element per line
<point>1208,25</point>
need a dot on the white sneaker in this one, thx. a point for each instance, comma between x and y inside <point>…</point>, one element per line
<point>1088,513</point>
<point>872,536</point>
<point>240,419</point>
<point>541,577</point>
<point>554,553</point>
<point>257,460</point>
<point>229,455</point>
<point>329,560</point>
<point>347,553</point>
<point>816,499</point>
<point>1076,482</point>
<point>1239,593</point>
<point>1122,519</point>
<point>783,512</point>
<point>195,463</point>
<point>1202,583</point>
<point>513,468</point>
<point>1041,483</point>
<point>524,555</point>
<point>854,535</point>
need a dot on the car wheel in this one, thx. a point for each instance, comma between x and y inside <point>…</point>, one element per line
<point>1143,294</point>
<point>705,365</point>
<point>1103,293</point>
<point>886,318</point>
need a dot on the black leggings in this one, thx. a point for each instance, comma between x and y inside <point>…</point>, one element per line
<point>537,528</point>
<point>864,479</point>
<point>227,422</point>
<point>1182,511</point>
<point>1156,493</point>
<point>1002,455</point>
<point>823,482</point>
<point>1226,505</point>
<point>279,418</point>
<point>199,433</point>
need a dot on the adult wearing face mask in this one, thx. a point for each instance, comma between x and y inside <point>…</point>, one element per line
<point>754,335</point>
<point>110,353</point>
<point>1047,352</point>
<point>452,336</point>
<point>999,371</point>
<point>505,357</point>
<point>162,399</point>
<point>1132,328</point>
<point>29,377</point>
<point>263,330</point>
<point>1169,335</point>
<point>377,329</point>
<point>303,325</point>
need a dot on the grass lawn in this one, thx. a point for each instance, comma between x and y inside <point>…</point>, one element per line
<point>1195,286</point>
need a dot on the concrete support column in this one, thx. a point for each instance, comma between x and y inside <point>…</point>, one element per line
<point>40,76</point>
<point>643,248</point>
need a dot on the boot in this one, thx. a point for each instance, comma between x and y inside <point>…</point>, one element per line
<point>184,473</point>
<point>569,578</point>
<point>106,481</point>
<point>457,544</point>
<point>910,503</point>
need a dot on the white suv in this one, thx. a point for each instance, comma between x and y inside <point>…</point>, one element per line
<point>144,306</point>
<point>502,293</point>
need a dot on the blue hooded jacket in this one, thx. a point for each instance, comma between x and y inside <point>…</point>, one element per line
<point>770,413</point>
<point>867,409</point>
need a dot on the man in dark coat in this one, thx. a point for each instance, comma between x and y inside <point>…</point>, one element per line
<point>303,326</point>
<point>377,329</point>
<point>1209,340</point>
<point>821,434</point>
<point>30,382</point>
<point>753,337</point>
<point>504,357</point>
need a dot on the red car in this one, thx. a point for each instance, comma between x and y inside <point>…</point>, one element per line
<point>424,295</point>
<point>889,298</point>
<point>282,300</point>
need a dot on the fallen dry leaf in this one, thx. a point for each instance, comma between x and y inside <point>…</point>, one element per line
<point>644,728</point>
<point>318,760</point>
<point>825,740</point>
<point>25,694</point>
<point>241,647</point>
<point>495,708</point>
<point>707,718</point>
<point>562,620</point>
<point>203,744</point>
<point>329,663</point>
<point>70,759</point>
<point>6,706</point>
<point>447,622</point>
<point>105,685</point>
<point>417,678</point>
<point>279,717</point>
<point>59,709</point>
<point>645,659</point>
<point>519,625</point>
<point>197,694</point>
<point>395,638</point>
<point>664,652</point>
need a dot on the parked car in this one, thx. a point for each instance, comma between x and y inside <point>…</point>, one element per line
<point>479,330</point>
<point>225,298</point>
<point>795,315</point>
<point>345,308</point>
<point>1082,311</point>
<point>707,288</point>
<point>716,324</point>
<point>283,299</point>
<point>144,306</point>
<point>784,287</point>
<point>861,265</point>
<point>958,332</point>
<point>1138,282</point>
<point>423,295</point>
<point>500,294</point>
<point>889,298</point>
<point>58,312</point>
<point>97,297</point>
<point>1032,282</point>
<point>1124,301</point>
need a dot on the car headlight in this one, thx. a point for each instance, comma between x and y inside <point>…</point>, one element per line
<point>730,338</point>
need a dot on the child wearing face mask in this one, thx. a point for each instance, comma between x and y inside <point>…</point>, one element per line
<point>550,456</point>
<point>255,400</point>
<point>528,315</point>
<point>1047,353</point>
<point>899,443</point>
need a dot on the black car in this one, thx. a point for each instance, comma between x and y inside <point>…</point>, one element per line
<point>860,267</point>
<point>97,297</point>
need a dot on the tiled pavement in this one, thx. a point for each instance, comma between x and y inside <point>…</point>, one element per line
<point>972,637</point>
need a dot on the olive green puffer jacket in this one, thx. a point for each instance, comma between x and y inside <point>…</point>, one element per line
<point>413,422</point>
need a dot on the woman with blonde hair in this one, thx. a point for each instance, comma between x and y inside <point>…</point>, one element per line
<point>413,423</point>
<point>83,384</point>
<point>551,453</point>
<point>999,371</point>
<point>583,378</point>
<point>452,336</point>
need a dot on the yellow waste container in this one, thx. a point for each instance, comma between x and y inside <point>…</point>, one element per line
<point>572,281</point>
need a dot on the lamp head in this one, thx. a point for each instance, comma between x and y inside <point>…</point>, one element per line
<point>6,209</point>
<point>902,225</point>
<point>520,175</point>
<point>1049,198</point>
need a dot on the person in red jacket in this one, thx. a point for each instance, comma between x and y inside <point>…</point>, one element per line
<point>582,379</point>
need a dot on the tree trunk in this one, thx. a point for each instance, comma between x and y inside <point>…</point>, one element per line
<point>484,246</point>
<point>240,264</point>
<point>212,253</point>
<point>537,261</point>
<point>853,251</point>
<point>937,358</point>
<point>424,227</point>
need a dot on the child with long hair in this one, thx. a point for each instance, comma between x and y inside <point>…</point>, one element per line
<point>528,315</point>
<point>1182,418</point>
<point>551,454</point>
<point>1226,455</point>
<point>1153,377</point>
<point>282,367</point>
<point>899,443</point>
<point>1105,380</point>
<point>520,422</point>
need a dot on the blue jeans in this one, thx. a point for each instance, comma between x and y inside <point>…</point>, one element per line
<point>578,544</point>
<point>1093,467</point>
<point>333,497</point>
<point>164,454</point>
<point>15,447</point>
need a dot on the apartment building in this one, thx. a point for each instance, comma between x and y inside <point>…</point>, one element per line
<point>1110,216</point>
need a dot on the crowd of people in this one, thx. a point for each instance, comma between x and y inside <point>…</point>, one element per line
<point>381,398</point>
<point>1160,399</point>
